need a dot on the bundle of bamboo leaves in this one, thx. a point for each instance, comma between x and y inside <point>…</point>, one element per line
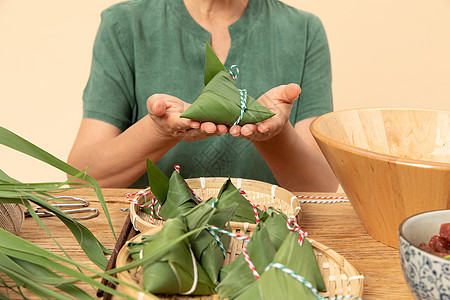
<point>195,265</point>
<point>30,267</point>
<point>221,102</point>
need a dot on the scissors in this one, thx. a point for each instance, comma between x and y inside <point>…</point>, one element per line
<point>68,208</point>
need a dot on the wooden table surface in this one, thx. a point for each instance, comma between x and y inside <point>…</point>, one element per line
<point>334,225</point>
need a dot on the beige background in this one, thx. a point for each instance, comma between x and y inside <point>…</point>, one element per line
<point>384,54</point>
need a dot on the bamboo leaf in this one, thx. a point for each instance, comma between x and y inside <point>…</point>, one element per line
<point>220,103</point>
<point>220,100</point>
<point>13,141</point>
<point>159,183</point>
<point>88,242</point>
<point>207,249</point>
<point>41,274</point>
<point>16,247</point>
<point>173,271</point>
<point>213,65</point>
<point>237,276</point>
<point>228,195</point>
<point>180,198</point>
<point>276,284</point>
<point>32,286</point>
<point>275,222</point>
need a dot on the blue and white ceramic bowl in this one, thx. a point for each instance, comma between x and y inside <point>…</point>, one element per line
<point>427,275</point>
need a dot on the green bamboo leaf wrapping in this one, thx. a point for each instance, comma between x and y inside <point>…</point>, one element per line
<point>153,211</point>
<point>300,259</point>
<point>135,248</point>
<point>174,272</point>
<point>207,249</point>
<point>275,284</point>
<point>158,181</point>
<point>228,195</point>
<point>213,65</point>
<point>236,277</point>
<point>275,222</point>
<point>220,100</point>
<point>180,198</point>
<point>220,103</point>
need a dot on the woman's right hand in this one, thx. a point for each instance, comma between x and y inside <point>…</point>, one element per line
<point>165,111</point>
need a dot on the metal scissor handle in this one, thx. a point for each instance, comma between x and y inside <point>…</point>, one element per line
<point>82,203</point>
<point>95,213</point>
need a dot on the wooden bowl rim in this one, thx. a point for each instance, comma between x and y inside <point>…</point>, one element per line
<point>372,154</point>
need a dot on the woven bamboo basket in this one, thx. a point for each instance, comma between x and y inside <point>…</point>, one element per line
<point>339,276</point>
<point>258,192</point>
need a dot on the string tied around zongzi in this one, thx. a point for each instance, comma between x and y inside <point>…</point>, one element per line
<point>305,282</point>
<point>178,169</point>
<point>150,204</point>
<point>249,262</point>
<point>242,93</point>
<point>195,281</point>
<point>219,242</point>
<point>254,206</point>
<point>293,226</point>
<point>244,249</point>
<point>152,207</point>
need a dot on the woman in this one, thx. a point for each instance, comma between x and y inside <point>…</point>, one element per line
<point>148,66</point>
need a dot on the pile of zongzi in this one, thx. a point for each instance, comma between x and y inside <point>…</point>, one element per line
<point>195,265</point>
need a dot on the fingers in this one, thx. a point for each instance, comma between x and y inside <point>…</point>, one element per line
<point>165,111</point>
<point>235,130</point>
<point>156,105</point>
<point>222,129</point>
<point>208,127</point>
<point>245,131</point>
<point>263,128</point>
<point>291,92</point>
<point>159,107</point>
<point>213,129</point>
<point>284,93</point>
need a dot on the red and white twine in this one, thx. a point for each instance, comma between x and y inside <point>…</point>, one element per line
<point>131,198</point>
<point>255,206</point>
<point>322,199</point>
<point>293,226</point>
<point>249,262</point>
<point>244,249</point>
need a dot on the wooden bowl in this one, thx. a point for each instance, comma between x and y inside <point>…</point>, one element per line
<point>391,163</point>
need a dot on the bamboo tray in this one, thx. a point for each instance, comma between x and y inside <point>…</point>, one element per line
<point>339,276</point>
<point>258,192</point>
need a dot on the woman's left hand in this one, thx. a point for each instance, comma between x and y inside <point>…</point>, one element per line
<point>279,100</point>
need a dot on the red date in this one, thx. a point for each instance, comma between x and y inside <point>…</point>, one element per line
<point>439,244</point>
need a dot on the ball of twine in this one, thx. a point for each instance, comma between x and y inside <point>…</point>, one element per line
<point>11,217</point>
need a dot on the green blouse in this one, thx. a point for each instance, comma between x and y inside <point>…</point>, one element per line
<point>145,47</point>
